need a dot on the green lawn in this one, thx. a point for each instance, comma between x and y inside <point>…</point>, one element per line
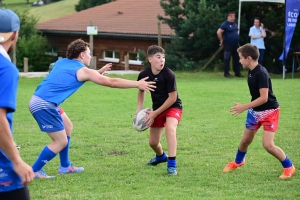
<point>53,10</point>
<point>114,155</point>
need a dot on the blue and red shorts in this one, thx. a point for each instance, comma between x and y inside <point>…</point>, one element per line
<point>267,118</point>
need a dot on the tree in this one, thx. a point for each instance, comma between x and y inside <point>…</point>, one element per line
<point>32,44</point>
<point>193,22</point>
<point>85,4</point>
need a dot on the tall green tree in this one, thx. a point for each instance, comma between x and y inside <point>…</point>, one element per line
<point>85,4</point>
<point>32,44</point>
<point>195,25</point>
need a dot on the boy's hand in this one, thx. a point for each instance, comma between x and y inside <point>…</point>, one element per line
<point>105,68</point>
<point>151,117</point>
<point>24,171</point>
<point>237,109</point>
<point>146,86</point>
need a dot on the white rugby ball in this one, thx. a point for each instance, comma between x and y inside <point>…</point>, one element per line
<point>138,120</point>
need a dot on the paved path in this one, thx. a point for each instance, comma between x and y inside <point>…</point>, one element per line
<point>44,74</point>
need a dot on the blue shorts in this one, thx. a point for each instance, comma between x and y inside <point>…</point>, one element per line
<point>46,115</point>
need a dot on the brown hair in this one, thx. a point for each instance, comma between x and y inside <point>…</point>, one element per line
<point>154,49</point>
<point>75,48</point>
<point>249,50</point>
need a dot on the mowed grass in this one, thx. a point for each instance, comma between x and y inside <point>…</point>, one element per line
<point>43,13</point>
<point>114,155</point>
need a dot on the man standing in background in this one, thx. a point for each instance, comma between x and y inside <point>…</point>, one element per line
<point>229,37</point>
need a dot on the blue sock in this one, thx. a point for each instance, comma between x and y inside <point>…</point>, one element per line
<point>240,156</point>
<point>64,155</point>
<point>172,162</point>
<point>286,163</point>
<point>162,157</point>
<point>45,156</point>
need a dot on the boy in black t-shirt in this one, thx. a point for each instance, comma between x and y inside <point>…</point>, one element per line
<point>166,105</point>
<point>262,110</point>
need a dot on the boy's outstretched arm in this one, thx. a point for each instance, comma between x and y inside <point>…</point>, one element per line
<point>86,74</point>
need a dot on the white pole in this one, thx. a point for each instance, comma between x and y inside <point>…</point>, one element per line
<point>239,16</point>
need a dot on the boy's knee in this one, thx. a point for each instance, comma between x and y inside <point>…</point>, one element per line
<point>268,146</point>
<point>246,142</point>
<point>153,143</point>
<point>62,144</point>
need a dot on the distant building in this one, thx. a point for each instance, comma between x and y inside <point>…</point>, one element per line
<point>124,27</point>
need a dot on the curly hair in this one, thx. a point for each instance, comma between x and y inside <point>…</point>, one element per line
<point>75,48</point>
<point>154,49</point>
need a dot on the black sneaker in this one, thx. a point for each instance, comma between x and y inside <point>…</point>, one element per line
<point>155,162</point>
<point>239,75</point>
<point>228,76</point>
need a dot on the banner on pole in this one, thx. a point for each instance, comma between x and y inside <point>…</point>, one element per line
<point>291,17</point>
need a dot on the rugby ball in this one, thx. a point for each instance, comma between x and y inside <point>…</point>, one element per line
<point>138,120</point>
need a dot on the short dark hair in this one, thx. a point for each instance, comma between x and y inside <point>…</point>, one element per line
<point>75,48</point>
<point>154,49</point>
<point>249,50</point>
<point>257,18</point>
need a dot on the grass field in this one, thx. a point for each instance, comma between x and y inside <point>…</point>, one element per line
<point>114,155</point>
<point>53,10</point>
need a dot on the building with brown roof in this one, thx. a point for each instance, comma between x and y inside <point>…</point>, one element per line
<point>124,27</point>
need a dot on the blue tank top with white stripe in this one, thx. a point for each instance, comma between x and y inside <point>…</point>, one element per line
<point>61,83</point>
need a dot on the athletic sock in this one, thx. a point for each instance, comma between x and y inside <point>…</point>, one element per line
<point>45,156</point>
<point>286,163</point>
<point>64,154</point>
<point>240,156</point>
<point>172,162</point>
<point>161,157</point>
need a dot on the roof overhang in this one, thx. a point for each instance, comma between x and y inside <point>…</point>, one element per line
<point>106,35</point>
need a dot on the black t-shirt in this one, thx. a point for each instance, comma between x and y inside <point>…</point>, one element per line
<point>230,34</point>
<point>259,78</point>
<point>165,84</point>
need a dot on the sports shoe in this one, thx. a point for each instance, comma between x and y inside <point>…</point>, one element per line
<point>70,169</point>
<point>42,174</point>
<point>288,172</point>
<point>239,75</point>
<point>172,171</point>
<point>155,162</point>
<point>232,166</point>
<point>228,76</point>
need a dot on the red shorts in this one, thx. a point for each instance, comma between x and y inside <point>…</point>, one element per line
<point>267,118</point>
<point>160,120</point>
<point>61,111</point>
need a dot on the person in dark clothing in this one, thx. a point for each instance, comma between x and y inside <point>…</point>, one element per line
<point>229,37</point>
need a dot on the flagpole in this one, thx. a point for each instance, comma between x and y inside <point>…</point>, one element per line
<point>284,43</point>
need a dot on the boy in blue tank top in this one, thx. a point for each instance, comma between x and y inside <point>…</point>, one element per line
<point>67,76</point>
<point>15,174</point>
